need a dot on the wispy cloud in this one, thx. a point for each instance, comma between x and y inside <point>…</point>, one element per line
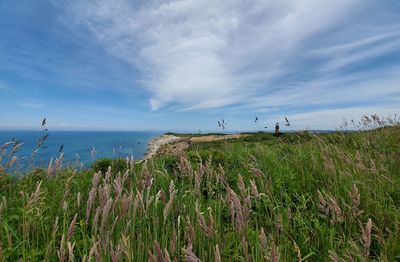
<point>32,105</point>
<point>205,54</point>
<point>336,91</point>
<point>5,87</point>
<point>359,53</point>
<point>369,40</point>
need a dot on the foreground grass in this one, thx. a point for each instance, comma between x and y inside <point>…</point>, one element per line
<point>260,198</point>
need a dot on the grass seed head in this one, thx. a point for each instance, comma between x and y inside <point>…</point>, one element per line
<point>217,254</point>
<point>105,215</point>
<point>189,255</point>
<point>168,206</point>
<point>366,237</point>
<point>71,228</point>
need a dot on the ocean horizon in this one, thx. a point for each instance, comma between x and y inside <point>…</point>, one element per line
<point>77,146</point>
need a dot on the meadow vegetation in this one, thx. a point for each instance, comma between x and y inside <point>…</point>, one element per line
<point>297,197</point>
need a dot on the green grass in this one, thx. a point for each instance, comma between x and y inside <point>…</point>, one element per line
<point>297,197</point>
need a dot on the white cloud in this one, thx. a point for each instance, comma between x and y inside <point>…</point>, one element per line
<point>205,54</point>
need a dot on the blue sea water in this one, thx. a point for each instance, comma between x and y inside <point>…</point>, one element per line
<point>109,144</point>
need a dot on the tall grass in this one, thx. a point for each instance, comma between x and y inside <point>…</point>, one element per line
<point>299,197</point>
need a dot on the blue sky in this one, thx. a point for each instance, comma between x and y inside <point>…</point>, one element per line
<point>181,65</point>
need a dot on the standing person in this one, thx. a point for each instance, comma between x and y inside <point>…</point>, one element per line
<point>277,129</point>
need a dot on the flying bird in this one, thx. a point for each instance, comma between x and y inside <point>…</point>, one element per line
<point>287,122</point>
<point>221,124</point>
<point>43,121</point>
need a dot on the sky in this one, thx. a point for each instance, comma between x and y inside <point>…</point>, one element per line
<point>181,65</point>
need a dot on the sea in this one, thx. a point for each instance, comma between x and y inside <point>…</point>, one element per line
<point>83,147</point>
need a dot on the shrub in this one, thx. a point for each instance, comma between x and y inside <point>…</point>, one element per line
<point>118,165</point>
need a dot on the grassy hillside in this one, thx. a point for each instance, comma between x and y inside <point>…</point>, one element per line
<point>299,197</point>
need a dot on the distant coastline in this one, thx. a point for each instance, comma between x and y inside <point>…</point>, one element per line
<point>179,142</point>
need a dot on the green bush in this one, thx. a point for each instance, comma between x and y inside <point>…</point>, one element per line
<point>102,164</point>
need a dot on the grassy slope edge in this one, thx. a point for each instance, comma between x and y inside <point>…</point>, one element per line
<point>261,198</point>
